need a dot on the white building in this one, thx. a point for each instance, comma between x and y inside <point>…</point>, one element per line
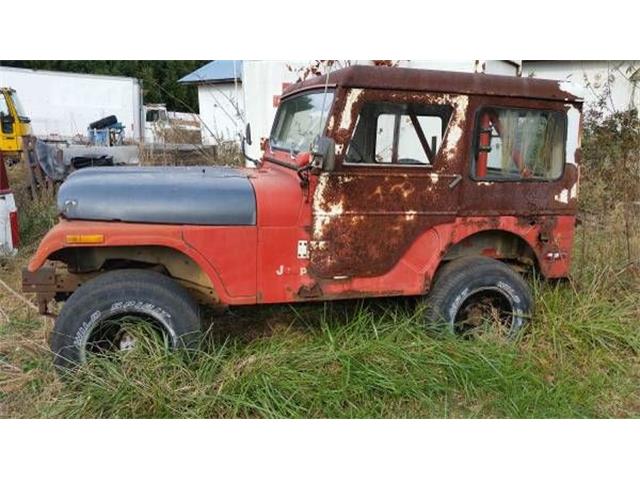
<point>613,81</point>
<point>220,99</point>
<point>64,104</point>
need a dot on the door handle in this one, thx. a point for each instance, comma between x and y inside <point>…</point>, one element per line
<point>457,179</point>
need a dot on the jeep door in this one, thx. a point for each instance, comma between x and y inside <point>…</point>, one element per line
<point>398,167</point>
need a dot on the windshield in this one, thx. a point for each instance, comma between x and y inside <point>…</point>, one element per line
<point>298,121</point>
<point>18,106</point>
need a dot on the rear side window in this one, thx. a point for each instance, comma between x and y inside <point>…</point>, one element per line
<point>516,144</point>
<point>398,134</point>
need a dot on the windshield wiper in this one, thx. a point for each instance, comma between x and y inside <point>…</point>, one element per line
<point>301,171</point>
<point>288,165</point>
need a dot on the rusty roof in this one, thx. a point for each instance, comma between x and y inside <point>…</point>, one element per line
<point>411,79</point>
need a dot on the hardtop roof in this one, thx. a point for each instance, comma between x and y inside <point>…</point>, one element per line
<point>411,79</point>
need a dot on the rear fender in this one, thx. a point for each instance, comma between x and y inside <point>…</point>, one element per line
<point>544,242</point>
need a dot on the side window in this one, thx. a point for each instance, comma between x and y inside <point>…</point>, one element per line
<point>516,144</point>
<point>4,108</point>
<point>152,116</point>
<point>398,134</point>
<point>6,126</point>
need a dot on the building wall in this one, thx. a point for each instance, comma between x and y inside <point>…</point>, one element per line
<point>597,77</point>
<point>221,112</point>
<point>64,104</point>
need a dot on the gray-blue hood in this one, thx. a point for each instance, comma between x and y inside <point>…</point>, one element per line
<point>171,195</point>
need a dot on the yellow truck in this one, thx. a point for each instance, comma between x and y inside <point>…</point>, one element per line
<point>14,124</point>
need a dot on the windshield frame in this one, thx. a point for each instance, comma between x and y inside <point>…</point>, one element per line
<point>331,95</point>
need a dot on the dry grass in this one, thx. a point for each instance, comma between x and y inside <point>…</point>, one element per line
<point>224,154</point>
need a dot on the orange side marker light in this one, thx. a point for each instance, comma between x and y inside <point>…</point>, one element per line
<point>91,239</point>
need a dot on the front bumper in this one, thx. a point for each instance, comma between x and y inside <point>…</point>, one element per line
<point>50,283</point>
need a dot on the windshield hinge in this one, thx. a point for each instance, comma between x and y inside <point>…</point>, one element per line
<point>303,249</point>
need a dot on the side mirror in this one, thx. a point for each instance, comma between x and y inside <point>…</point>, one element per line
<point>246,140</point>
<point>323,154</point>
<point>247,134</point>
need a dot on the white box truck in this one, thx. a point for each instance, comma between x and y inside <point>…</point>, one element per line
<point>62,104</point>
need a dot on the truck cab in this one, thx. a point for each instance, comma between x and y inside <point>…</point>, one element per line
<point>14,123</point>
<point>375,182</point>
<point>167,127</point>
<point>156,122</point>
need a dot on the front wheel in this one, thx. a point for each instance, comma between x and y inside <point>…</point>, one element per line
<point>110,312</point>
<point>476,295</point>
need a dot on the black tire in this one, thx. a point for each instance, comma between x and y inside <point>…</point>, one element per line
<point>469,291</point>
<point>103,122</point>
<point>91,314</point>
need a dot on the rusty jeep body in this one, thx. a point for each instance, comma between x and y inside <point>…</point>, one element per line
<point>375,182</point>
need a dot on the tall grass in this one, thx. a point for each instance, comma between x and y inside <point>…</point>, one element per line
<point>366,359</point>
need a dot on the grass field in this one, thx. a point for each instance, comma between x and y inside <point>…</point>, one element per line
<point>579,357</point>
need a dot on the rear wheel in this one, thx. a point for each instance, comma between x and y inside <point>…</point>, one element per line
<point>477,295</point>
<point>117,310</point>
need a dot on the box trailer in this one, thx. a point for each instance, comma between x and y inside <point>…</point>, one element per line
<point>62,104</point>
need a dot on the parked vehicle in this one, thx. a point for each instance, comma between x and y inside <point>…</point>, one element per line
<point>375,182</point>
<point>14,123</point>
<point>9,231</point>
<point>162,126</point>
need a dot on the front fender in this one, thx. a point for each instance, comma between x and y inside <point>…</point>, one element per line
<point>117,234</point>
<point>114,234</point>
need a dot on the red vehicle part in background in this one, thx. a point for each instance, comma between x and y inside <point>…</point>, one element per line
<point>9,228</point>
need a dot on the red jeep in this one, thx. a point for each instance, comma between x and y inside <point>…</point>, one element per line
<point>374,182</point>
